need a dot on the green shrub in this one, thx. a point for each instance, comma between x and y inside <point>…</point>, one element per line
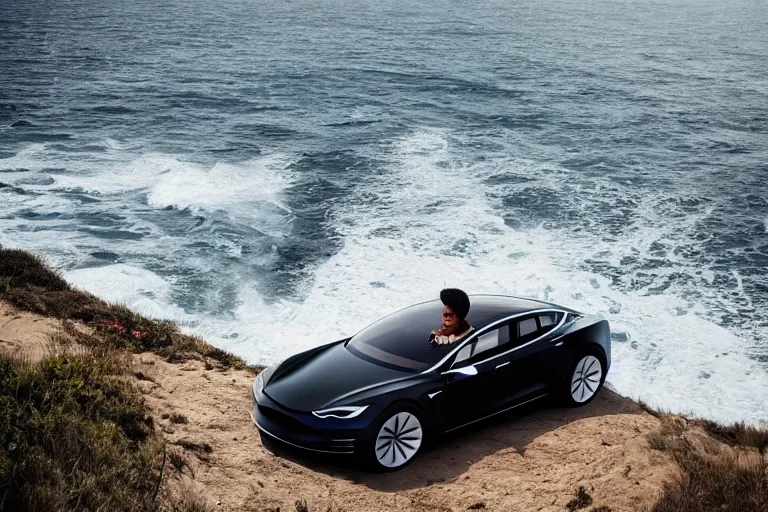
<point>75,436</point>
<point>20,269</point>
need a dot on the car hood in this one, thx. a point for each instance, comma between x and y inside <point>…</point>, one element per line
<point>326,377</point>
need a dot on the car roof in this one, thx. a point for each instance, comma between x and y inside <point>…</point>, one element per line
<point>486,309</point>
<point>405,332</point>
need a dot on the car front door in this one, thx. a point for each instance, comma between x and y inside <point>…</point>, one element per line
<point>470,383</point>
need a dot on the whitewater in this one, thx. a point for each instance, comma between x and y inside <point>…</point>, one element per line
<point>309,169</point>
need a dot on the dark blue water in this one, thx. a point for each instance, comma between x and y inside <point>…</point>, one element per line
<point>274,174</point>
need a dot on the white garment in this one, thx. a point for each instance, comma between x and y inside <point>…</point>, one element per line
<point>447,340</point>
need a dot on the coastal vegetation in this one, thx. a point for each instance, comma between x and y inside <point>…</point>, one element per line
<point>722,468</point>
<point>76,433</point>
<point>28,284</point>
<point>75,436</point>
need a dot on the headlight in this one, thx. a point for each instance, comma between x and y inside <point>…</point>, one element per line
<point>341,412</point>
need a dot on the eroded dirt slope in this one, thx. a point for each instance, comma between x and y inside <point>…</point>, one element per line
<point>529,463</point>
<point>535,462</point>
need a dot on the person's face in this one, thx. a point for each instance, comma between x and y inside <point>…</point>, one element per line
<point>450,319</point>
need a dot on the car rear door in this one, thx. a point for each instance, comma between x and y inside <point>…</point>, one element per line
<point>528,375</point>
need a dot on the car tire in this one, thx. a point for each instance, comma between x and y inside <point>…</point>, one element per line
<point>584,379</point>
<point>396,438</point>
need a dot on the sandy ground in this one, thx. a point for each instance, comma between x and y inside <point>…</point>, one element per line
<point>24,335</point>
<point>532,461</point>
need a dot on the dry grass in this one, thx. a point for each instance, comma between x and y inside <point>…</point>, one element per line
<point>301,506</point>
<point>178,418</point>
<point>714,476</point>
<point>28,283</point>
<point>193,446</point>
<point>582,500</point>
<point>187,499</point>
<point>738,434</point>
<point>177,460</point>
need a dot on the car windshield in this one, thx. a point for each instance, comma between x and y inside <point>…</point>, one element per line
<point>401,340</point>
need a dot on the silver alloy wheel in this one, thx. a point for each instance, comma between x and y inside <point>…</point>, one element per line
<point>586,378</point>
<point>399,439</point>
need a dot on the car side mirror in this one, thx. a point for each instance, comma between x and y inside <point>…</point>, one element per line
<point>464,370</point>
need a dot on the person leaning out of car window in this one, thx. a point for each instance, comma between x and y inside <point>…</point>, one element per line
<point>455,309</point>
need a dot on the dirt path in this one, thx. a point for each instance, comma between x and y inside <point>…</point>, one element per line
<point>24,335</point>
<point>533,462</point>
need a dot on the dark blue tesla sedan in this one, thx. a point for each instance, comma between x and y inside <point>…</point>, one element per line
<point>381,393</point>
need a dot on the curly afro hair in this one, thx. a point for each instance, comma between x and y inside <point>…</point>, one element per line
<point>457,300</point>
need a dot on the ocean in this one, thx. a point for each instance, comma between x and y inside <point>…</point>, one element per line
<point>274,175</point>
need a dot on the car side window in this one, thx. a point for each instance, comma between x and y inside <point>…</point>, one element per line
<point>526,327</point>
<point>525,330</point>
<point>529,328</point>
<point>548,321</point>
<point>483,346</point>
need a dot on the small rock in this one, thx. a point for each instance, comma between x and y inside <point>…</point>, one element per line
<point>619,337</point>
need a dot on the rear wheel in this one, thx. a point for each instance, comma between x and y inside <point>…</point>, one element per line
<point>584,380</point>
<point>397,438</point>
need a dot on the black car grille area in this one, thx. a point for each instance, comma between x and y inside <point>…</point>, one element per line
<point>284,421</point>
<point>304,436</point>
<point>341,445</point>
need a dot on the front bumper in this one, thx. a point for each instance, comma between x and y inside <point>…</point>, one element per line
<point>306,431</point>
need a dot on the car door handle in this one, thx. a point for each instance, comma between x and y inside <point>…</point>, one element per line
<point>503,364</point>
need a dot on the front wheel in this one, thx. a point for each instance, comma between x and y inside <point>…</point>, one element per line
<point>397,438</point>
<point>584,380</point>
